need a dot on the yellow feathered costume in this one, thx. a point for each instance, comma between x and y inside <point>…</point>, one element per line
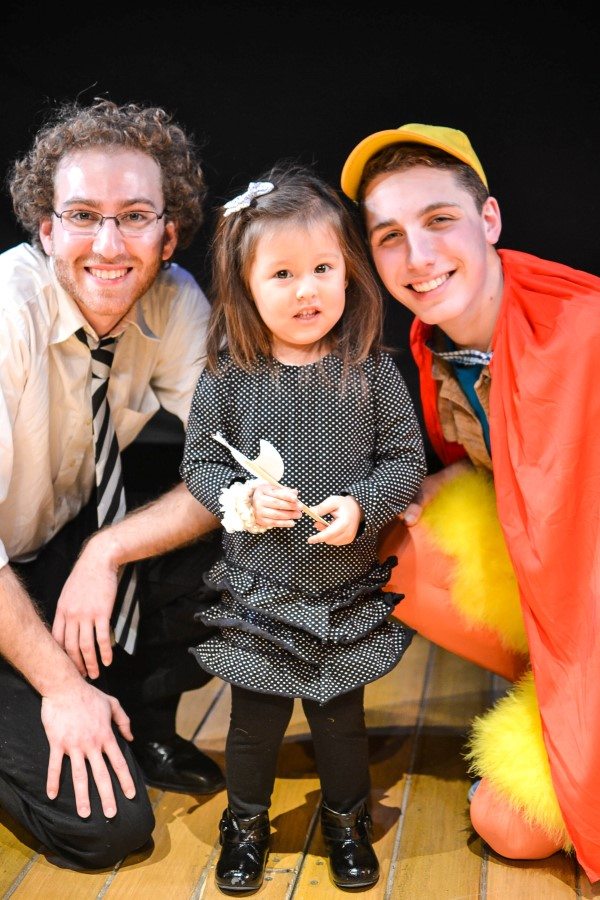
<point>461,593</point>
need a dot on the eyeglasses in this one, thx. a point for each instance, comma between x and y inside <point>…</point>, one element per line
<point>85,222</point>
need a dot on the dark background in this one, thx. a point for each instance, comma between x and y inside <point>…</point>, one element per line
<point>255,82</point>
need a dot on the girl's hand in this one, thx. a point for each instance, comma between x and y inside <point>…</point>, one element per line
<point>347,516</point>
<point>275,507</point>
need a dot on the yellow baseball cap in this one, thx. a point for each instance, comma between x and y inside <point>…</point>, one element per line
<point>454,142</point>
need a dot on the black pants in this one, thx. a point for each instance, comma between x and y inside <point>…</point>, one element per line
<point>256,731</point>
<point>148,684</point>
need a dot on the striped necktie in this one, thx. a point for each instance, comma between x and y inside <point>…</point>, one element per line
<point>110,493</point>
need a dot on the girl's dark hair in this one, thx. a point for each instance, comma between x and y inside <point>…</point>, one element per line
<point>104,124</point>
<point>300,198</point>
<point>403,156</point>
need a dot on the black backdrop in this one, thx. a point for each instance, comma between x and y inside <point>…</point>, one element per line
<point>260,81</point>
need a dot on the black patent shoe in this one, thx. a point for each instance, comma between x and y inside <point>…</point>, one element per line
<point>352,860</point>
<point>178,765</point>
<point>244,850</point>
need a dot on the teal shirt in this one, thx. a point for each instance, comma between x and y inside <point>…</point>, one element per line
<point>467,375</point>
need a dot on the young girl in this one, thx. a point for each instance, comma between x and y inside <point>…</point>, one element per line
<point>301,613</point>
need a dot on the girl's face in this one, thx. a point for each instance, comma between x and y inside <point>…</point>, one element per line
<point>298,283</point>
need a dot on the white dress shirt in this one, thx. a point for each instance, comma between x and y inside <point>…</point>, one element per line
<point>46,442</point>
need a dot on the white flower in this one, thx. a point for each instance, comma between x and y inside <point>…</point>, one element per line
<point>236,505</point>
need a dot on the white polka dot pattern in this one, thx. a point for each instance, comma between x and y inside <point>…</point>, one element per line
<point>298,619</point>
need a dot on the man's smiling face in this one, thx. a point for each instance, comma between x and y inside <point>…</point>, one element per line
<point>106,273</point>
<point>430,244</point>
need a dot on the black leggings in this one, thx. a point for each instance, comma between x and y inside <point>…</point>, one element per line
<point>256,731</point>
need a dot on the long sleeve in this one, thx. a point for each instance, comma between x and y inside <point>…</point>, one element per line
<point>399,454</point>
<point>207,466</point>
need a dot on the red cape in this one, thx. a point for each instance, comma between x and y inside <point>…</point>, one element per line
<point>545,436</point>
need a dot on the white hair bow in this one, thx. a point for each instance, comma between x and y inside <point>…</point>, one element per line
<point>243,201</point>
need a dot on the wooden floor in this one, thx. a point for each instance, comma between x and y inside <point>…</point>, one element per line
<point>417,718</point>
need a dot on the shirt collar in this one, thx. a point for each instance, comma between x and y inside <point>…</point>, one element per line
<point>443,348</point>
<point>70,319</point>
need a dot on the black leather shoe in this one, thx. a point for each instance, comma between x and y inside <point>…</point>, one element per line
<point>352,860</point>
<point>244,850</point>
<point>178,765</point>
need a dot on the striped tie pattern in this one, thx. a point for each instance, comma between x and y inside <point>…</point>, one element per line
<point>110,493</point>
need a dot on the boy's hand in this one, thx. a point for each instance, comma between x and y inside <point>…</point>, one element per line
<point>429,488</point>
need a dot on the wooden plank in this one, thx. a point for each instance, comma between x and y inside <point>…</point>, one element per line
<point>17,852</point>
<point>553,879</point>
<point>184,845</point>
<point>45,881</point>
<point>393,702</point>
<point>417,718</point>
<point>436,858</point>
<point>196,707</point>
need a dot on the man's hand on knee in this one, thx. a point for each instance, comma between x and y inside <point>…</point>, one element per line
<point>78,724</point>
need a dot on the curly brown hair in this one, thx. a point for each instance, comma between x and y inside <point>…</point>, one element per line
<point>105,124</point>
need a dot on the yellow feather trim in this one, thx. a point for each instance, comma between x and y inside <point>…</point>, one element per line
<point>506,747</point>
<point>463,523</point>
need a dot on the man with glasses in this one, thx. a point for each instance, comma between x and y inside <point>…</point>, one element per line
<point>99,330</point>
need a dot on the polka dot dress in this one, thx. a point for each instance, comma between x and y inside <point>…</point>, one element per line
<point>293,618</point>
